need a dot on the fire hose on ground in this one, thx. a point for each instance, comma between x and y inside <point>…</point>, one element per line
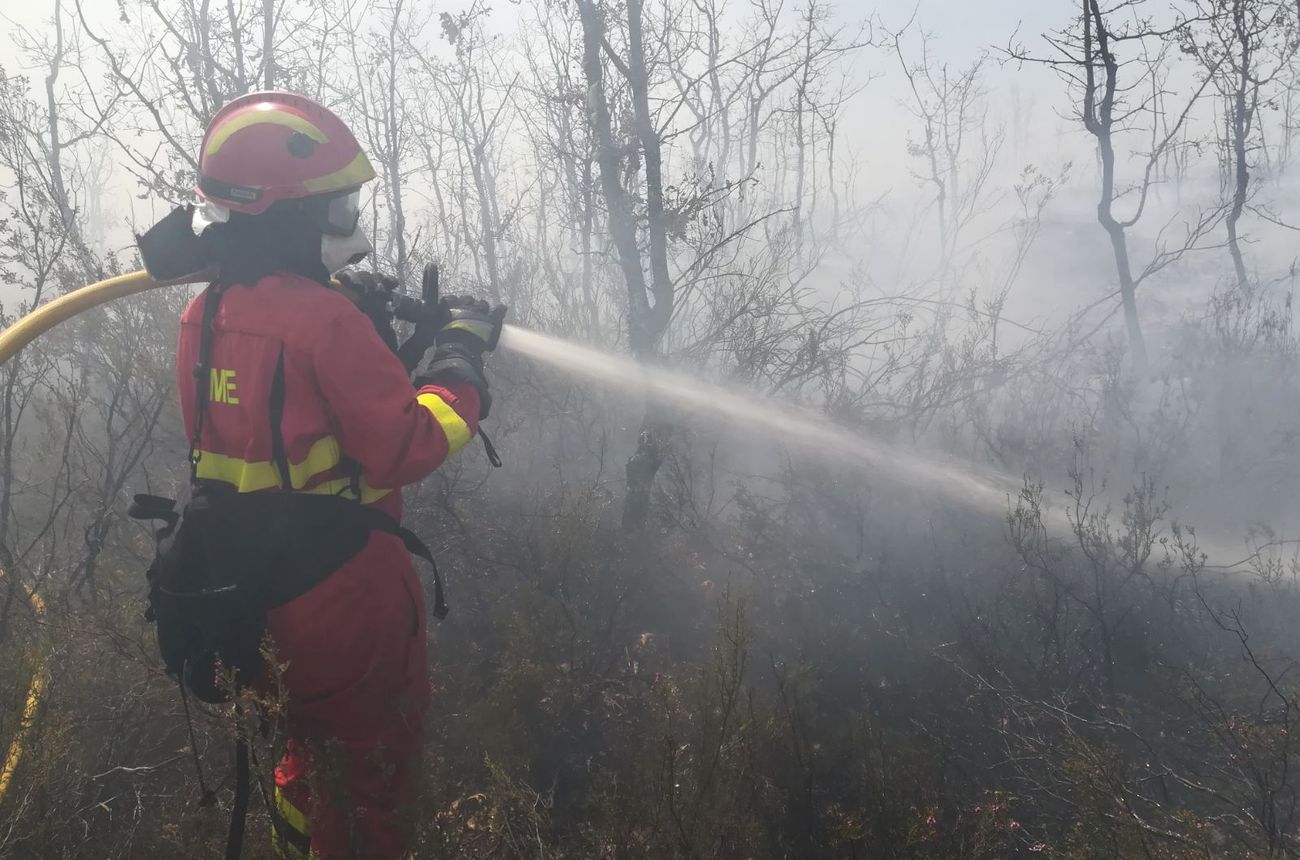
<point>31,703</point>
<point>12,340</point>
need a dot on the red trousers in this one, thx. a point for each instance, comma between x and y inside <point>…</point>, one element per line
<point>357,687</point>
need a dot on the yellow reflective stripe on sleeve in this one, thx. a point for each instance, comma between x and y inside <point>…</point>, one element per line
<point>480,329</point>
<point>455,428</point>
<point>250,477</point>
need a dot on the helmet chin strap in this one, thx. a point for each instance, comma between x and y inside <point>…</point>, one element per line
<point>337,252</point>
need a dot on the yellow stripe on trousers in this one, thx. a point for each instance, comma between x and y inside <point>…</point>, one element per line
<point>295,845</point>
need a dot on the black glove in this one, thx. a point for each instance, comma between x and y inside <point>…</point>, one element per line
<point>472,323</point>
<point>373,294</point>
<point>421,341</point>
<point>469,329</point>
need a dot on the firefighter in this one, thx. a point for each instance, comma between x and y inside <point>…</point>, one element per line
<point>303,395</point>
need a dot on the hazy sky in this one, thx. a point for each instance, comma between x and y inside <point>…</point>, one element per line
<point>875,122</point>
<point>963,27</point>
<point>875,125</point>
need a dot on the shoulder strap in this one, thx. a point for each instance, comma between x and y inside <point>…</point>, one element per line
<point>493,457</point>
<point>239,810</point>
<point>276,412</point>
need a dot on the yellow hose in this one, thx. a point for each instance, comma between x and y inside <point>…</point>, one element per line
<point>50,314</point>
<point>34,693</point>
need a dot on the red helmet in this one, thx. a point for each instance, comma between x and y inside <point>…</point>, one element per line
<point>265,147</point>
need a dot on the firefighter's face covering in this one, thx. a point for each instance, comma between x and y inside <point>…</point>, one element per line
<point>338,218</point>
<point>343,242</point>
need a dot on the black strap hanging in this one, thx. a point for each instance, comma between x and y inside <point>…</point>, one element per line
<point>276,411</point>
<point>239,812</point>
<point>202,374</point>
<point>381,522</point>
<point>493,457</point>
<point>208,797</point>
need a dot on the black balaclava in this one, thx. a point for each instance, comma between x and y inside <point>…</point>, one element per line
<point>247,248</point>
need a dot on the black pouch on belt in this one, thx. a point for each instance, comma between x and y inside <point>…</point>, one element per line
<point>225,558</point>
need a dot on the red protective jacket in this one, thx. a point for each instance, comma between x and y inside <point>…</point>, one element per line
<point>345,394</point>
<point>355,644</point>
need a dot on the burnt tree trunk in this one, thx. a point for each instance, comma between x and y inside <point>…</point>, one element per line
<point>1099,119</point>
<point>650,302</point>
<point>268,44</point>
<point>1245,98</point>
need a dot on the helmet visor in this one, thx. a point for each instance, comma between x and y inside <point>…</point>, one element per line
<point>342,214</point>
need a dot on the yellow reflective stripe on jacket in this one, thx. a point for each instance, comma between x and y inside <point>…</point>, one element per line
<point>455,428</point>
<point>249,477</point>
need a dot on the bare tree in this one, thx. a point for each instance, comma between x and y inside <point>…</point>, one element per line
<point>957,146</point>
<point>1244,46</point>
<point>470,116</point>
<point>649,301</point>
<point>1115,62</point>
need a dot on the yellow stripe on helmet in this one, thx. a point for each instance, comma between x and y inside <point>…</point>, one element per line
<point>256,117</point>
<point>357,172</point>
